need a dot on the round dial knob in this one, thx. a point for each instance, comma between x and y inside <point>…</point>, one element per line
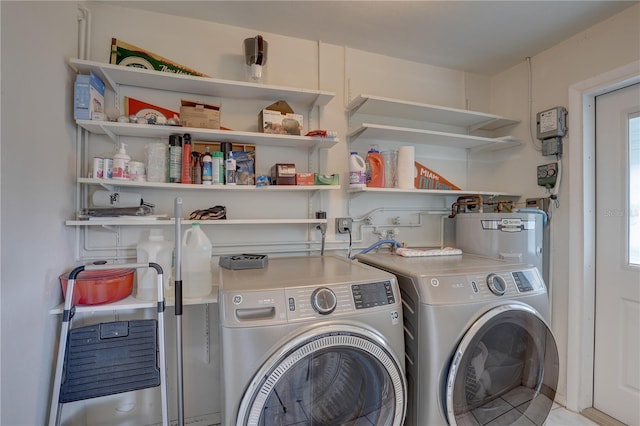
<point>496,284</point>
<point>324,301</point>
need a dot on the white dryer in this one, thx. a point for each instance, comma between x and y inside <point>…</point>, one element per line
<point>311,340</point>
<point>478,346</point>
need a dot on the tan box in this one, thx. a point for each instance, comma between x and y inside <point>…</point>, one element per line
<point>194,114</point>
<point>279,118</point>
<point>305,178</point>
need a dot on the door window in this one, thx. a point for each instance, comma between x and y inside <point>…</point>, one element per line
<point>504,373</point>
<point>633,193</point>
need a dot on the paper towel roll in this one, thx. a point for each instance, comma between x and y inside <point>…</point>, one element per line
<point>406,167</point>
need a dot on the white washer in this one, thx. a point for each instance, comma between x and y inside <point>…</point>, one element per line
<point>478,346</point>
<point>311,340</point>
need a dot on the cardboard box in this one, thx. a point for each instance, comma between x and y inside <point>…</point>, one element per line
<point>194,114</point>
<point>245,167</point>
<point>88,97</point>
<point>279,118</point>
<point>305,178</point>
<point>283,174</point>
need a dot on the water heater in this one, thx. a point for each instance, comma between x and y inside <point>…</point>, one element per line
<point>517,237</point>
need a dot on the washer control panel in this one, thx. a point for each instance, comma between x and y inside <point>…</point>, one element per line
<point>336,299</point>
<point>373,294</point>
<point>324,300</point>
<point>483,285</point>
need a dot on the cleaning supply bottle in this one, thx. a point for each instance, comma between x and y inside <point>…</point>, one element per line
<point>217,173</point>
<point>207,167</point>
<point>121,160</point>
<point>175,158</point>
<point>196,167</point>
<point>375,168</point>
<point>230,170</point>
<point>197,277</point>
<point>357,171</point>
<point>158,250</point>
<point>186,159</point>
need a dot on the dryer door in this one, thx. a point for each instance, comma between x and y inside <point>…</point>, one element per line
<point>505,370</point>
<point>332,375</point>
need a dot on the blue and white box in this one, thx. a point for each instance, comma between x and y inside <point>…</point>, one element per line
<point>88,97</point>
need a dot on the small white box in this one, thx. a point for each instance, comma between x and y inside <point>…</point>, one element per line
<point>88,97</point>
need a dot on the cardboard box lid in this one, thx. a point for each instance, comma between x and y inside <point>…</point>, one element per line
<point>281,106</point>
<point>199,105</point>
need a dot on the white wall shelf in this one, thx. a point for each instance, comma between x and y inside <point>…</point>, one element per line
<point>440,192</point>
<point>113,183</point>
<point>370,132</point>
<point>115,75</point>
<point>376,105</point>
<point>141,221</point>
<point>131,302</point>
<point>115,129</point>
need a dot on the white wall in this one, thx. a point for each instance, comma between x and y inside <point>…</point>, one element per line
<point>38,148</point>
<point>603,47</point>
<point>37,189</point>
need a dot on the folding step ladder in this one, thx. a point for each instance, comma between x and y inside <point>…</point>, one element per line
<point>109,358</point>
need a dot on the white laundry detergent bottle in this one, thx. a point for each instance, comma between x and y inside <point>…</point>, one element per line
<point>158,250</point>
<point>197,277</point>
<point>357,171</point>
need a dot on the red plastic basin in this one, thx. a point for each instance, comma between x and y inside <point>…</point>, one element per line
<point>99,287</point>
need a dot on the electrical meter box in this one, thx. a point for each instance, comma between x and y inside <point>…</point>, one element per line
<point>547,175</point>
<point>551,123</point>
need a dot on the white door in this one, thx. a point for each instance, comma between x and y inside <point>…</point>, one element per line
<point>617,322</point>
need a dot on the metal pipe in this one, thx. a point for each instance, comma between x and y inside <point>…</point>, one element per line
<point>178,307</point>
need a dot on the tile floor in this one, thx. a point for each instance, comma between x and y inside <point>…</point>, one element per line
<point>560,416</point>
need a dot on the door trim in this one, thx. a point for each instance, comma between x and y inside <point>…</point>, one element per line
<point>581,309</point>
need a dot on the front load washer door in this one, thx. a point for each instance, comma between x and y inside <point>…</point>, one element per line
<point>504,371</point>
<point>334,375</point>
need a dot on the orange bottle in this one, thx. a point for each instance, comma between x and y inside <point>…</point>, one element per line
<point>375,168</point>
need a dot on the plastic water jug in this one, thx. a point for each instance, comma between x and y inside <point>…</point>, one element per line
<point>357,171</point>
<point>375,168</point>
<point>154,249</point>
<point>197,277</point>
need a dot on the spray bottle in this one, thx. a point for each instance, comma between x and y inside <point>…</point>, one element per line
<point>186,159</point>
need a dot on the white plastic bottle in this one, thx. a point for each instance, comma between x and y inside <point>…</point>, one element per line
<point>197,277</point>
<point>217,173</point>
<point>154,249</point>
<point>121,163</point>
<point>230,170</point>
<point>357,171</point>
<point>207,168</point>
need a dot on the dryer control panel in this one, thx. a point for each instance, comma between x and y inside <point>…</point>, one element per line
<point>448,289</point>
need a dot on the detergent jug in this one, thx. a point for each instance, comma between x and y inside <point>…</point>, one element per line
<point>375,168</point>
<point>197,277</point>
<point>158,250</point>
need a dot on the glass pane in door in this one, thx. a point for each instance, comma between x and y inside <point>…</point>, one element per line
<point>634,191</point>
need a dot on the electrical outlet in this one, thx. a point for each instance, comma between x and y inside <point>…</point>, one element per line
<point>343,225</point>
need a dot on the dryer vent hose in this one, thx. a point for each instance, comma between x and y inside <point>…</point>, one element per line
<point>377,244</point>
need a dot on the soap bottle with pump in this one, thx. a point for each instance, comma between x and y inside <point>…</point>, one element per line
<point>121,160</point>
